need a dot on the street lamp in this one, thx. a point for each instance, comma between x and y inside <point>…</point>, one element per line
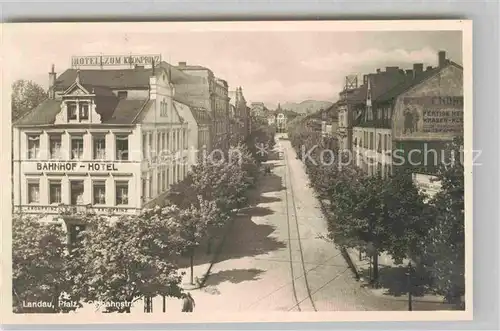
<point>409,274</point>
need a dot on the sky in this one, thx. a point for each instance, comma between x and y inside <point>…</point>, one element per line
<point>270,66</point>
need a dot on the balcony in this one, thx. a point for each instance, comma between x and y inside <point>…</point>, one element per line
<point>76,211</point>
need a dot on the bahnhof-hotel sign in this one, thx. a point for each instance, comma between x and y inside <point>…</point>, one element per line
<point>114,60</point>
<point>75,166</point>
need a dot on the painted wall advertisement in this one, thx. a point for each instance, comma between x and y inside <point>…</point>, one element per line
<point>429,117</point>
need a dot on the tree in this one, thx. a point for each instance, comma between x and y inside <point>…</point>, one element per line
<point>130,257</point>
<point>26,95</point>
<point>379,215</point>
<point>195,221</point>
<point>40,265</point>
<point>444,247</point>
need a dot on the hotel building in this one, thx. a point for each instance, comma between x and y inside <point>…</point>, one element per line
<point>110,141</point>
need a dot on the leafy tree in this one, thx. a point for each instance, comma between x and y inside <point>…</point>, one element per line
<point>26,95</point>
<point>40,268</point>
<point>195,221</point>
<point>129,258</point>
<point>384,214</point>
<point>443,250</point>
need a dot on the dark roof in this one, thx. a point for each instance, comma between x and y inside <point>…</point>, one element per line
<point>122,78</point>
<point>382,82</point>
<point>331,112</point>
<point>44,113</point>
<point>113,79</point>
<point>112,111</point>
<point>357,95</point>
<point>201,115</point>
<point>409,82</point>
<point>128,111</point>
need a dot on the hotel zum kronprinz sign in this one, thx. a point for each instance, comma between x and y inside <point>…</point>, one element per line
<point>114,60</point>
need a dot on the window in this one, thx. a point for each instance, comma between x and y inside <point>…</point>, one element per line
<point>174,179</point>
<point>150,145</point>
<point>167,180</point>
<point>99,148</point>
<point>184,139</point>
<point>150,193</point>
<point>168,140</point>
<point>144,146</point>
<point>372,139</point>
<point>76,188</point>
<point>84,111</point>
<point>174,145</point>
<point>55,146</point>
<point>55,192</point>
<point>77,147</point>
<point>144,189</point>
<point>158,182</point>
<point>99,192</point>
<point>121,193</point>
<point>33,146</point>
<point>34,191</point>
<point>122,147</point>
<point>71,106</point>
<point>379,145</point>
<point>158,143</point>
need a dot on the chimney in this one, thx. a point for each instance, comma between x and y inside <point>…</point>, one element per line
<point>52,83</point>
<point>409,72</point>
<point>428,68</point>
<point>182,64</point>
<point>441,58</point>
<point>378,71</point>
<point>365,79</point>
<point>418,68</point>
<point>391,69</point>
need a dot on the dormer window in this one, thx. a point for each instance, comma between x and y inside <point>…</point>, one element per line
<point>84,111</point>
<point>122,94</point>
<point>78,111</point>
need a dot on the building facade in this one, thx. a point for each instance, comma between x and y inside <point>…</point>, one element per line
<point>350,104</point>
<point>407,126</point>
<point>210,93</point>
<point>239,116</point>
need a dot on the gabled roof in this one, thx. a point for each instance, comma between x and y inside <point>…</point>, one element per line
<point>410,82</point>
<point>111,78</point>
<point>201,115</point>
<point>44,113</point>
<point>122,78</point>
<point>112,111</point>
<point>382,82</point>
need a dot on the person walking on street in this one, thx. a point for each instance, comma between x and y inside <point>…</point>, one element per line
<point>187,303</point>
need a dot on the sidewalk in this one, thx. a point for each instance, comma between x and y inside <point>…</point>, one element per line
<point>393,278</point>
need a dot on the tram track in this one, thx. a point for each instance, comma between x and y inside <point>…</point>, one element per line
<point>292,205</point>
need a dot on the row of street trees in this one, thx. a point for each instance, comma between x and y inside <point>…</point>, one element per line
<point>118,261</point>
<point>391,215</point>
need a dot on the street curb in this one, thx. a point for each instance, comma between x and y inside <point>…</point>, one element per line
<point>215,257</point>
<point>343,250</point>
<point>354,268</point>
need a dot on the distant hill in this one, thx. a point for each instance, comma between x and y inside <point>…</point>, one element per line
<point>307,106</point>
